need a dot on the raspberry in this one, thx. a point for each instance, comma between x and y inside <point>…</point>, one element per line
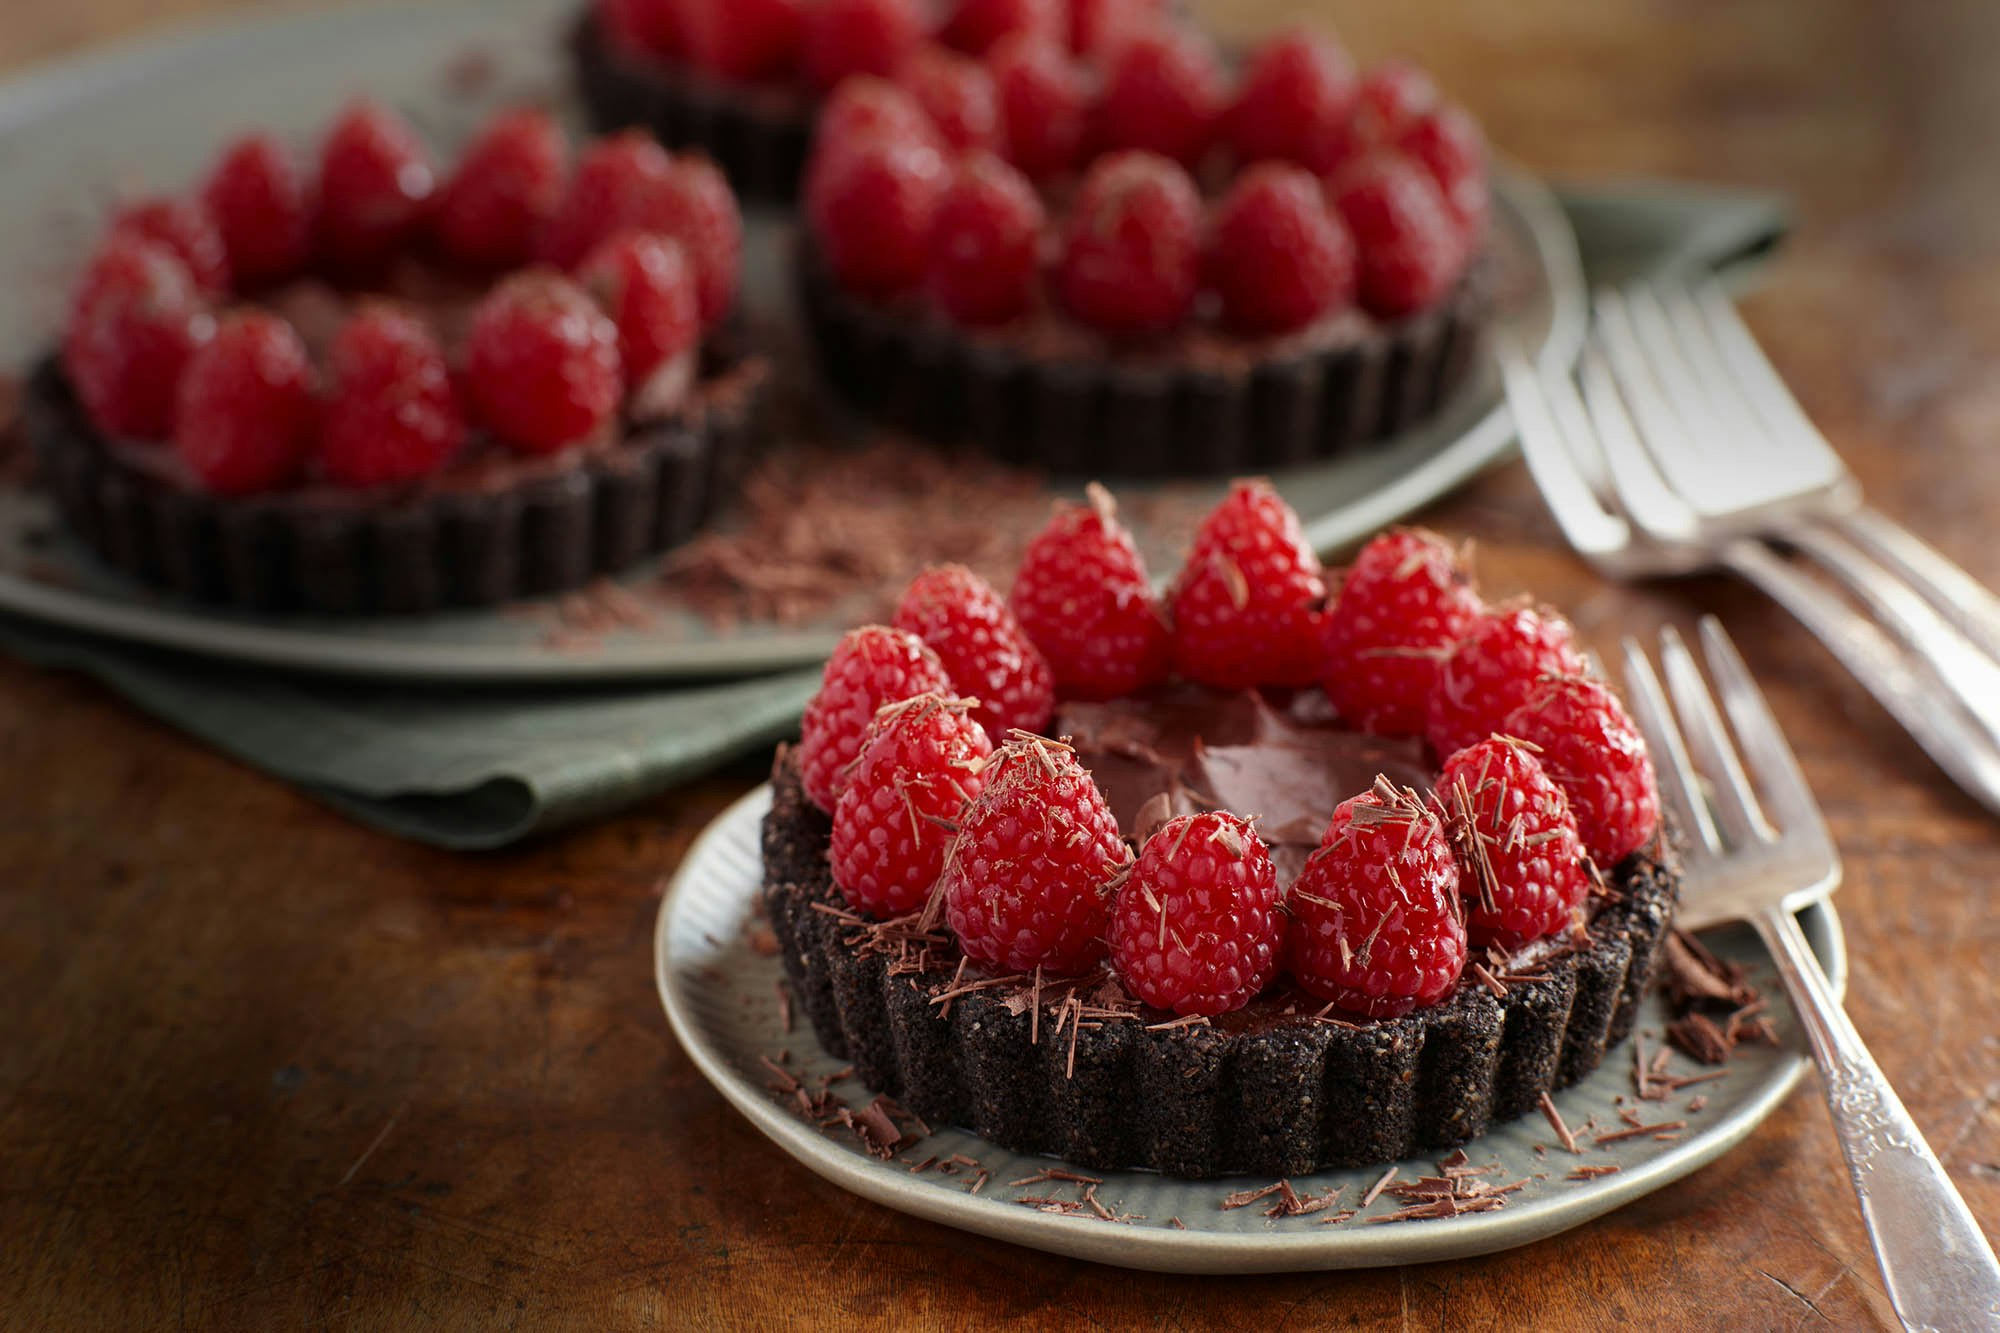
<point>1293,104</point>
<point>1100,28</point>
<point>375,187</point>
<point>984,243</point>
<point>1246,605</point>
<point>643,281</point>
<point>921,762</point>
<point>1277,256</point>
<point>744,39</point>
<point>848,37</point>
<point>1590,746</point>
<point>694,205</point>
<point>506,188</point>
<point>187,232</point>
<point>1406,602</point>
<point>957,94</point>
<point>613,189</point>
<point>1519,853</point>
<point>871,666</point>
<point>964,621</point>
<point>1082,596</point>
<point>1044,106</point>
<point>1498,664</point>
<point>865,107</point>
<point>260,206</point>
<point>869,202</point>
<point>1131,253</point>
<point>136,322</point>
<point>1407,239</point>
<point>1377,927</point>
<point>390,415</point>
<point>642,27</point>
<point>977,26</point>
<point>541,363</point>
<point>246,414</point>
<point>1024,884</point>
<point>1391,95</point>
<point>1164,94</point>
<point>1447,141</point>
<point>1196,928</point>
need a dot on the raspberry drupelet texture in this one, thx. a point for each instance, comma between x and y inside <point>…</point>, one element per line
<point>644,282</point>
<point>1246,608</point>
<point>1377,927</point>
<point>865,107</point>
<point>1293,104</point>
<point>376,188</point>
<point>136,322</point>
<point>922,761</point>
<point>977,26</point>
<point>843,38</point>
<point>871,666</point>
<point>1164,93</point>
<point>983,648</point>
<point>1406,602</point>
<point>246,417</point>
<point>1390,96</point>
<point>506,187</point>
<point>1044,105</point>
<point>1496,667</point>
<point>1588,743</point>
<point>1448,142</point>
<point>958,95</point>
<point>612,189</point>
<point>984,240</point>
<point>1409,243</point>
<point>1131,253</point>
<point>1277,256</point>
<point>1025,884</point>
<point>1520,858</point>
<point>185,230</point>
<point>1196,927</point>
<point>695,206</point>
<point>390,415</point>
<point>262,209</point>
<point>870,201</point>
<point>744,40</point>
<point>1083,596</point>
<point>541,363</point>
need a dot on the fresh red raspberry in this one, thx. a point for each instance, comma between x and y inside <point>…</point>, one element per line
<point>1131,253</point>
<point>1044,106</point>
<point>1377,927</point>
<point>1277,255</point>
<point>541,364</point>
<point>1197,928</point>
<point>613,189</point>
<point>1448,142</point>
<point>644,282</point>
<point>1520,859</point>
<point>1164,93</point>
<point>871,666</point>
<point>1589,745</point>
<point>187,231</point>
<point>1083,597</point>
<point>923,759</point>
<point>869,202</point>
<point>958,95</point>
<point>246,416</point>
<point>1407,239</point>
<point>506,188</point>
<point>1406,602</point>
<point>1246,608</point>
<point>977,26</point>
<point>744,39</point>
<point>1025,883</point>
<point>848,37</point>
<point>694,205</point>
<point>1294,102</point>
<point>390,415</point>
<point>642,27</point>
<point>1498,665</point>
<point>136,322</point>
<point>1391,95</point>
<point>865,107</point>
<point>985,243</point>
<point>259,204</point>
<point>983,648</point>
<point>375,188</point>
<point>1099,28</point>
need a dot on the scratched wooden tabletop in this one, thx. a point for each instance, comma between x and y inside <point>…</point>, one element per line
<point>264,1068</point>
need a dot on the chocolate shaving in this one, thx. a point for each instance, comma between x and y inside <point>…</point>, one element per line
<point>1590,1171</point>
<point>1563,1135</point>
<point>1636,1131</point>
<point>1375,1190</point>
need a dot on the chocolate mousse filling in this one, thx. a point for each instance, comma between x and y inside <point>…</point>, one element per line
<point>1077,1069</point>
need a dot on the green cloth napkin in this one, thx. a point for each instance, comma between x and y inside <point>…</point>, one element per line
<point>471,769</point>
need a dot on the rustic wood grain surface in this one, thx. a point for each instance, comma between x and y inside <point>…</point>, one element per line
<point>262,1068</point>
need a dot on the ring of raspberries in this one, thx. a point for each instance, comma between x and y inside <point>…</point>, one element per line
<point>948,806</point>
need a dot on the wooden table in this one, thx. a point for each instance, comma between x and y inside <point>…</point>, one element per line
<point>265,1068</point>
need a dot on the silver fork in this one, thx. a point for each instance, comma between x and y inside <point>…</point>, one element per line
<point>1757,850</point>
<point>1640,493</point>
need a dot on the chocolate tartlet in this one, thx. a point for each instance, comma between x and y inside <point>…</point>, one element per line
<point>1079,1070</point>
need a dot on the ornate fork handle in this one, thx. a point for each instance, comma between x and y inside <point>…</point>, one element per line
<point>1940,1270</point>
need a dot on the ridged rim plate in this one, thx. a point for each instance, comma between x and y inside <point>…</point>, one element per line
<point>721,999</point>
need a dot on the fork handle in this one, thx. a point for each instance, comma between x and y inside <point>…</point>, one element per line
<point>1938,1266</point>
<point>1954,594</point>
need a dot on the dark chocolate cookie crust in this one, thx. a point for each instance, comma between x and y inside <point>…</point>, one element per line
<point>424,550</point>
<point>1288,1098</point>
<point>759,142</point>
<point>1108,417</point>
